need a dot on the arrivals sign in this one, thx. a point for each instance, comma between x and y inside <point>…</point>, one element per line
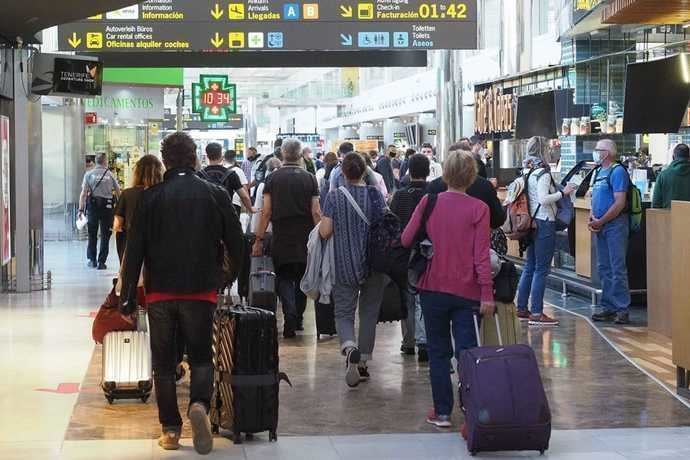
<point>275,25</point>
<point>214,98</point>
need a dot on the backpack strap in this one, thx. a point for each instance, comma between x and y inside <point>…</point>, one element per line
<point>226,176</point>
<point>353,203</point>
<point>428,209</point>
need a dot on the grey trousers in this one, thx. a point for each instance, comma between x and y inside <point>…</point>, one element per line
<point>413,329</point>
<point>345,298</point>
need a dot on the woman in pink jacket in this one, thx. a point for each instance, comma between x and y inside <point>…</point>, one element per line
<point>457,280</point>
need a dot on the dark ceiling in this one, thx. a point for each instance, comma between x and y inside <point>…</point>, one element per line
<point>25,18</point>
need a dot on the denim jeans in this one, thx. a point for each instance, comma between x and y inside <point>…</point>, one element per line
<point>612,250</point>
<point>537,267</point>
<point>194,321</point>
<point>345,297</point>
<point>444,313</point>
<point>413,330</point>
<point>291,296</point>
<point>99,217</point>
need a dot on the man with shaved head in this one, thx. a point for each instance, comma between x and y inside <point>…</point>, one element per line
<point>609,221</point>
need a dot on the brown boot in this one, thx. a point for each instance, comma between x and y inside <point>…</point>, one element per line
<point>170,440</point>
<point>201,429</point>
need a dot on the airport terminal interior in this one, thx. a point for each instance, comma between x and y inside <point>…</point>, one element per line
<point>104,82</point>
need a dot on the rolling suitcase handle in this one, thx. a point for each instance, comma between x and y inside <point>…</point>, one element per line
<point>498,329</point>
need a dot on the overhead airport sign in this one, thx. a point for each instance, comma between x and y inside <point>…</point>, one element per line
<point>255,25</point>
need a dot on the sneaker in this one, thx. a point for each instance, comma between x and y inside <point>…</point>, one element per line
<point>604,316</point>
<point>91,264</point>
<point>102,266</point>
<point>622,318</point>
<point>407,350</point>
<point>441,421</point>
<point>180,373</point>
<point>352,367</point>
<point>169,440</point>
<point>523,315</point>
<point>422,354</point>
<point>542,320</point>
<point>363,373</point>
<point>201,429</point>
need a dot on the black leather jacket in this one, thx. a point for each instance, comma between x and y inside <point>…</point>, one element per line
<point>177,233</point>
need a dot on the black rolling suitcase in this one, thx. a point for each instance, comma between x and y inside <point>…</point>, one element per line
<point>325,319</point>
<point>262,284</point>
<point>245,357</point>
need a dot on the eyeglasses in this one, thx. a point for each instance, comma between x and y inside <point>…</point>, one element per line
<point>602,150</point>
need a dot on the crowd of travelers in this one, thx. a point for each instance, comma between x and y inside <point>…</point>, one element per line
<point>287,194</point>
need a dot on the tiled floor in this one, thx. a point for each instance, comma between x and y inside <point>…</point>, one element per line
<point>45,345</point>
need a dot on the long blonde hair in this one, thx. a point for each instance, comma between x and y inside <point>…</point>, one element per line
<point>147,172</point>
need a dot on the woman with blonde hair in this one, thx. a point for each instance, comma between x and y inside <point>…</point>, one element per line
<point>148,172</point>
<point>457,281</point>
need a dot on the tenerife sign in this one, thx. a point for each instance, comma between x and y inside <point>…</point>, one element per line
<point>275,25</point>
<point>214,98</point>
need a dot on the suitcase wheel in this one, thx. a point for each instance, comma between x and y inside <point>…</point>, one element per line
<point>541,452</point>
<point>110,399</point>
<point>249,436</point>
<point>237,438</point>
<point>272,436</point>
<point>215,429</point>
<point>145,398</point>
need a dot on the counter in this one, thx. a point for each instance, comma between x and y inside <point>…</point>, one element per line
<point>680,299</point>
<point>659,272</point>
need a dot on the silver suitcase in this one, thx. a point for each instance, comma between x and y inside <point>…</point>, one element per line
<point>126,369</point>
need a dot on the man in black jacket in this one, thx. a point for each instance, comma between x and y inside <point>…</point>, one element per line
<point>178,234</point>
<point>481,189</point>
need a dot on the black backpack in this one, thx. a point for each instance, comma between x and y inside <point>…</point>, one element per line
<point>216,176</point>
<point>385,252</point>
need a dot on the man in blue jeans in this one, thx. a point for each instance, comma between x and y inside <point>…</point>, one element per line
<point>609,221</point>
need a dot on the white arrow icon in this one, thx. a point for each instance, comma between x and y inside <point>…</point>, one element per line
<point>346,39</point>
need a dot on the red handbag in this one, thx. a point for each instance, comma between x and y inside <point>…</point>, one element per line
<point>108,319</point>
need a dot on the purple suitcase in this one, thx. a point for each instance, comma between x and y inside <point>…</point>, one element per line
<point>503,398</point>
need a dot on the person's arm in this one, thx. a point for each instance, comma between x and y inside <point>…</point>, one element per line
<point>482,261</point>
<point>315,210</point>
<point>381,185</point>
<point>410,233</point>
<point>133,260</point>
<point>246,200</point>
<point>233,237</point>
<point>496,211</point>
<point>326,228</point>
<point>266,214</point>
<point>658,198</point>
<point>82,197</point>
<point>544,195</point>
<point>116,185</point>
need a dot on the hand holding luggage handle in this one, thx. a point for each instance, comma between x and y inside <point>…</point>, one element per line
<point>498,329</point>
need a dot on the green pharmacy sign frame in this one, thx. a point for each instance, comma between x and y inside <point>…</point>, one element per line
<point>214,98</point>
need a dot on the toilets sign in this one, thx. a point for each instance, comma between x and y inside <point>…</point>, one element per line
<point>214,98</point>
<point>274,25</point>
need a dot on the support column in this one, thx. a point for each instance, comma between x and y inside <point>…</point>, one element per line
<point>447,102</point>
<point>20,144</point>
<point>250,122</point>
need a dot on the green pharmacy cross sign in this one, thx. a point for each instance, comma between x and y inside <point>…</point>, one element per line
<point>213,98</point>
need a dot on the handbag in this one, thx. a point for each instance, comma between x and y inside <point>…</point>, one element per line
<point>506,282</point>
<point>423,248</point>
